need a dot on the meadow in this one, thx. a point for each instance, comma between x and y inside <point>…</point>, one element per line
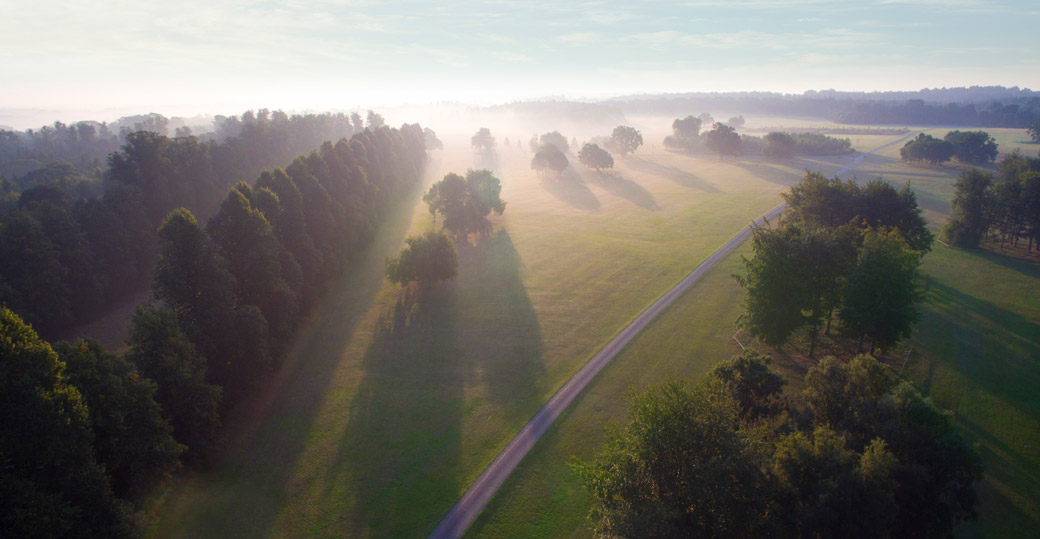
<point>976,352</point>
<point>392,401</point>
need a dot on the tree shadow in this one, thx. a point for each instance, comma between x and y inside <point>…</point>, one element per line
<point>627,189</point>
<point>767,171</point>
<point>440,361</point>
<point>245,492</point>
<point>677,175</point>
<point>571,190</point>
<point>488,160</point>
<point>1004,361</point>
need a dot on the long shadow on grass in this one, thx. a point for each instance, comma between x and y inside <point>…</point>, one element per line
<point>444,363</point>
<point>620,186</point>
<point>677,175</point>
<point>767,171</point>
<point>245,492</point>
<point>570,189</point>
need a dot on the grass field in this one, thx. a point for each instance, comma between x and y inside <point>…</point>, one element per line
<point>976,352</point>
<point>391,403</point>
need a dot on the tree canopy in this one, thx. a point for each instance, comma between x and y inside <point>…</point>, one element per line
<point>779,145</point>
<point>556,139</point>
<point>857,453</point>
<point>548,159</point>
<point>685,133</point>
<point>427,259</point>
<point>625,140</point>
<point>466,202</point>
<point>483,140</point>
<point>723,140</point>
<point>50,483</point>
<point>595,157</point>
<point>972,147</point>
<point>927,148</point>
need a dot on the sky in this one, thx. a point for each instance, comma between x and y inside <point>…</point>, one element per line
<point>184,56</point>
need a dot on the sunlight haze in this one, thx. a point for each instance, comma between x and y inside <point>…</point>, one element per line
<point>194,56</point>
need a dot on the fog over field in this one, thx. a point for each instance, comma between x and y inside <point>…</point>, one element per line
<point>347,268</point>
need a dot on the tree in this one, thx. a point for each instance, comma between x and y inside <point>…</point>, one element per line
<point>971,209</point>
<point>757,389</point>
<point>556,139</point>
<point>685,133</point>
<point>431,140</point>
<point>132,440</point>
<point>375,120</point>
<point>816,201</point>
<point>794,280</point>
<point>776,294</point>
<point>466,202</point>
<point>972,147</point>
<point>549,158</point>
<point>50,483</point>
<point>1034,130</point>
<point>723,140</point>
<point>935,467</point>
<point>927,148</point>
<point>680,468</point>
<point>625,140</point>
<point>427,259</point>
<point>595,157</point>
<point>164,354</point>
<point>779,145</point>
<point>867,457</point>
<point>483,141</point>
<point>736,121</point>
<point>705,118</point>
<point>880,300</point>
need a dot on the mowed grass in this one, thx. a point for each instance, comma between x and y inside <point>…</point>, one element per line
<point>976,352</point>
<point>393,401</point>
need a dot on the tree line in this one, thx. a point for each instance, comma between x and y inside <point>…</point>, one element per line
<point>1005,205</point>
<point>85,434</point>
<point>67,257</point>
<point>838,248</point>
<point>857,453</point>
<point>723,139</point>
<point>975,106</point>
<point>969,147</point>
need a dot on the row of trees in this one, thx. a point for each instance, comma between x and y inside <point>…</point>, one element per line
<point>64,257</point>
<point>857,453</point>
<point>723,140</point>
<point>839,248</point>
<point>93,433</point>
<point>1007,204</point>
<point>969,147</point>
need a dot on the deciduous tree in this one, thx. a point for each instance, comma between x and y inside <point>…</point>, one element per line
<point>723,140</point>
<point>427,259</point>
<point>625,140</point>
<point>595,157</point>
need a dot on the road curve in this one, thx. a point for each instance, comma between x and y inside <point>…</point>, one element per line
<point>465,512</point>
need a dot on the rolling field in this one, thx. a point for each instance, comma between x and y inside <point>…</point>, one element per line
<point>976,352</point>
<point>392,403</point>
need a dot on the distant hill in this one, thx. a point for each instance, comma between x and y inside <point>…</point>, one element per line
<point>982,106</point>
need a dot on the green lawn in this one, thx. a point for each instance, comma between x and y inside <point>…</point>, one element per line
<point>392,403</point>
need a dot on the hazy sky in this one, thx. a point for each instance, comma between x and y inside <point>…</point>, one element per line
<point>216,54</point>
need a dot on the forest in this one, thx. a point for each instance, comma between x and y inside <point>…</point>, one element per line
<point>96,432</point>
